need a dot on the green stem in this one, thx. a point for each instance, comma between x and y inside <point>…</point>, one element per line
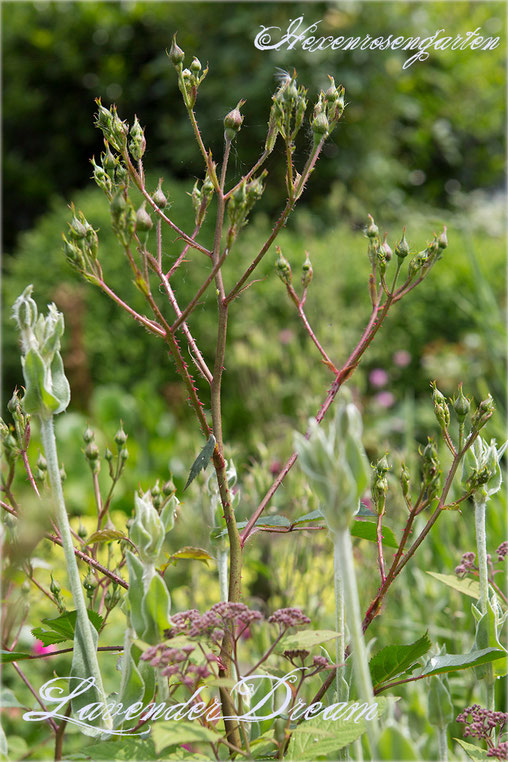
<point>480,505</point>
<point>339,619</point>
<point>222,568</point>
<point>344,552</point>
<point>481,549</point>
<point>442,741</point>
<point>50,452</point>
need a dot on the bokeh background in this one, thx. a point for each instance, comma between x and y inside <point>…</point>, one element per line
<point>420,147</point>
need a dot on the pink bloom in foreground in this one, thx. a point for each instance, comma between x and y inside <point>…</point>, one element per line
<point>38,648</point>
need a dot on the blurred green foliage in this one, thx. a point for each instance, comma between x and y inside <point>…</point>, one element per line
<point>424,132</point>
<point>415,146</point>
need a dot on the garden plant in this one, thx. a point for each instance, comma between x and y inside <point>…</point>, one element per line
<point>232,678</point>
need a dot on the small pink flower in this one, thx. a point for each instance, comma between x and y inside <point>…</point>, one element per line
<point>38,648</point>
<point>401,358</point>
<point>385,399</point>
<point>378,377</point>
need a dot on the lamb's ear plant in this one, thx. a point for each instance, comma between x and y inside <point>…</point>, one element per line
<point>483,477</point>
<point>47,394</point>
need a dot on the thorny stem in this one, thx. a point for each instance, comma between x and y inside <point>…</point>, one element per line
<point>299,305</point>
<point>186,312</point>
<point>34,693</point>
<point>196,355</point>
<point>181,257</point>
<point>235,550</point>
<point>29,574</point>
<point>67,651</point>
<point>140,185</point>
<point>199,139</point>
<point>145,322</point>
<point>376,320</point>
<point>379,538</point>
<point>399,562</point>
<point>29,472</point>
<point>279,224</point>
<point>91,562</point>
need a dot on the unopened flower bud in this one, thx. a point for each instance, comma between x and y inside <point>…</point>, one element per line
<point>307,271</point>
<point>137,143</point>
<point>88,435</point>
<point>283,268</point>
<point>124,453</point>
<point>90,583</point>
<point>441,409</point>
<point>372,230</point>
<point>404,480</point>
<point>168,488</point>
<point>402,248</point>
<point>101,178</point>
<point>82,531</point>
<point>108,455</point>
<point>118,204</point>
<point>120,437</point>
<point>91,451</point>
<point>14,403</point>
<point>42,463</point>
<point>320,125</point>
<point>379,488</point>
<point>108,160</point>
<point>442,240</point>
<point>93,457</point>
<point>55,587</point>
<point>176,54</point>
<point>461,405</point>
<point>195,66</point>
<point>76,229</point>
<point>159,197</point>
<point>104,118</point>
<point>385,248</point>
<point>483,412</point>
<point>143,220</point>
<point>233,122</point>
<point>382,466</point>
